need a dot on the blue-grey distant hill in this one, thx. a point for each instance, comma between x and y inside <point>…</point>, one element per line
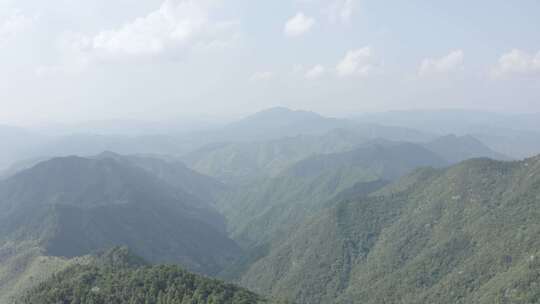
<point>514,135</point>
<point>72,206</point>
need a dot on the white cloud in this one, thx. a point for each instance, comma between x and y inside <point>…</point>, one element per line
<point>447,64</point>
<point>262,76</point>
<point>341,10</point>
<point>223,35</point>
<point>315,72</point>
<point>517,62</point>
<point>177,24</point>
<point>175,27</point>
<point>298,25</point>
<point>14,24</point>
<point>360,62</point>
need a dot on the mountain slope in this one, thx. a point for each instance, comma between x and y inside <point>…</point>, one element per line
<point>514,135</point>
<point>467,234</point>
<point>258,213</point>
<point>241,163</point>
<point>385,159</point>
<point>455,149</point>
<point>168,169</point>
<point>23,266</point>
<point>277,123</point>
<point>174,173</point>
<point>72,206</point>
<point>117,276</point>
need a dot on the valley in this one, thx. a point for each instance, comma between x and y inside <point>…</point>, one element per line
<point>345,213</point>
<point>269,152</point>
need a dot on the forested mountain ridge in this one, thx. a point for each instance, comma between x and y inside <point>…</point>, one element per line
<point>466,234</point>
<point>385,159</point>
<point>455,149</point>
<point>23,265</point>
<point>287,203</point>
<point>21,144</point>
<point>167,168</point>
<point>275,123</point>
<point>116,276</point>
<point>72,206</point>
<point>255,214</point>
<point>175,173</point>
<point>240,163</point>
<point>515,135</point>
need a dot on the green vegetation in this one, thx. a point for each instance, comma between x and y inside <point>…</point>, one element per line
<point>467,234</point>
<point>242,163</point>
<point>73,206</point>
<point>455,149</point>
<point>271,208</point>
<point>331,214</point>
<point>118,277</point>
<point>23,266</point>
<point>174,173</point>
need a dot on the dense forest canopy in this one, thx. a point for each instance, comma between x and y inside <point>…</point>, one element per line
<point>343,213</point>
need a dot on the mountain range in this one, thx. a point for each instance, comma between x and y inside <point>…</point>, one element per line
<point>290,205</point>
<point>274,124</point>
<point>240,163</point>
<point>465,234</point>
<point>72,206</point>
<point>514,135</point>
<point>117,276</point>
<point>271,207</point>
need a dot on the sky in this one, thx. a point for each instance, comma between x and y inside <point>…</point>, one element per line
<point>74,60</point>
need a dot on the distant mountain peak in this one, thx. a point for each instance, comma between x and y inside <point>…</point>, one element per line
<point>458,148</point>
<point>275,123</point>
<point>73,206</point>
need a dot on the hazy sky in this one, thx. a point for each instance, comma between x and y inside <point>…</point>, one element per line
<point>74,60</point>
